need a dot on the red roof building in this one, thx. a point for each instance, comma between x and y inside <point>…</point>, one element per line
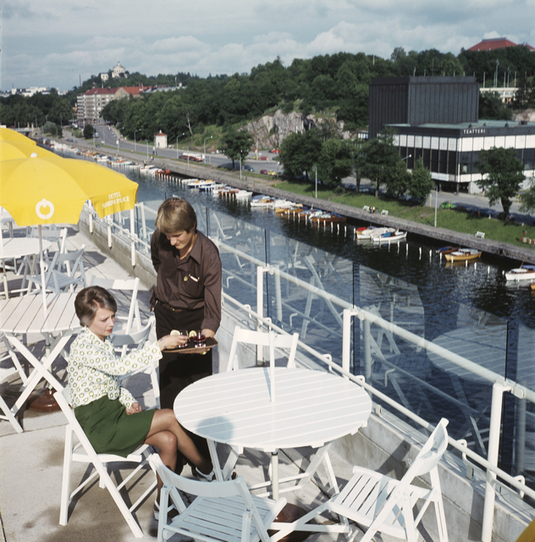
<point>497,43</point>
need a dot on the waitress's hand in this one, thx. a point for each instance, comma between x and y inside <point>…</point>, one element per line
<point>133,408</point>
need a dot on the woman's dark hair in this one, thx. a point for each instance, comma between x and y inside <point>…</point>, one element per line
<point>174,215</point>
<point>89,300</point>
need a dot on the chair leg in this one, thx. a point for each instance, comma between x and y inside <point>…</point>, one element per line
<point>66,480</point>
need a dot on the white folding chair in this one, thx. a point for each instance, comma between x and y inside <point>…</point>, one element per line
<point>221,510</point>
<point>125,292</point>
<point>383,504</point>
<point>262,339</point>
<point>84,452</point>
<point>135,340</point>
<point>8,415</point>
<point>65,271</point>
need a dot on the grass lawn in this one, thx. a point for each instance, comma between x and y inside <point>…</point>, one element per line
<point>452,219</point>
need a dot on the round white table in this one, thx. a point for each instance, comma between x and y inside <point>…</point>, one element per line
<point>311,408</point>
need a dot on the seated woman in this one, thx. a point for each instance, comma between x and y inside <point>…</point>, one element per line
<point>108,413</point>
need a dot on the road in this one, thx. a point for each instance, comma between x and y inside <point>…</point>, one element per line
<point>110,137</point>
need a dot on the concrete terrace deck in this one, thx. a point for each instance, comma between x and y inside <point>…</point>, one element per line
<point>31,462</point>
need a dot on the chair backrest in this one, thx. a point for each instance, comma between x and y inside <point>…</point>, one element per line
<point>262,339</point>
<point>135,340</point>
<point>52,234</point>
<point>124,290</point>
<point>227,492</point>
<point>65,270</point>
<point>431,452</point>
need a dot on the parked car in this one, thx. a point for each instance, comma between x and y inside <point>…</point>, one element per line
<point>264,172</point>
<point>275,151</point>
<point>247,167</point>
<point>262,157</point>
<point>274,173</point>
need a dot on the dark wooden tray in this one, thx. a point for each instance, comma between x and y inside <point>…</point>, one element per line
<point>190,349</point>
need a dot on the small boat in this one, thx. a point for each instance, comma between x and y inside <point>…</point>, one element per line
<point>281,205</point>
<point>390,237</point>
<point>446,250</point>
<point>463,254</point>
<point>524,272</point>
<point>328,217</point>
<point>262,201</point>
<point>366,233</point>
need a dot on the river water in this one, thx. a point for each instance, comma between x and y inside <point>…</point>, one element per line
<point>407,284</point>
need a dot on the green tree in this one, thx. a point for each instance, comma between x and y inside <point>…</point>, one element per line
<point>420,182</point>
<point>88,131</point>
<point>502,174</point>
<point>236,144</point>
<point>491,107</point>
<point>300,152</point>
<point>334,162</point>
<point>398,180</point>
<point>381,158</point>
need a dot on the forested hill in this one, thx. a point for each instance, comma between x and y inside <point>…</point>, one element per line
<point>330,85</point>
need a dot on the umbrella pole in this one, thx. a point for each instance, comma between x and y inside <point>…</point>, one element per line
<point>42,269</point>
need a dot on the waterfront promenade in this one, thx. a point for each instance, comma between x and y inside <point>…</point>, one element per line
<point>265,186</point>
<point>31,462</point>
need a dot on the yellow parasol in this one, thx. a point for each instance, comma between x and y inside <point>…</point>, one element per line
<point>11,150</point>
<point>52,190</point>
<point>10,135</point>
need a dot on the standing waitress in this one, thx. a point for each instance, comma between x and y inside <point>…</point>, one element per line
<point>187,295</point>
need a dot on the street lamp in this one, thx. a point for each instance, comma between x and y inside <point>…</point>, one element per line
<point>205,146</point>
<point>315,168</point>
<point>184,133</point>
<point>135,143</point>
<point>117,155</point>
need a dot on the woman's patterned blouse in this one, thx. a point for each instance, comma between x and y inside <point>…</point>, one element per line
<point>94,369</point>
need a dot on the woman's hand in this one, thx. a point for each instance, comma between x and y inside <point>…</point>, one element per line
<point>170,342</point>
<point>133,408</point>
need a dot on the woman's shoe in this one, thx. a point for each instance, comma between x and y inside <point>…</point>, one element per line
<point>204,477</point>
<point>172,512</point>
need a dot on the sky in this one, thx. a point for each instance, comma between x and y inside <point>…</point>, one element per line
<point>57,43</point>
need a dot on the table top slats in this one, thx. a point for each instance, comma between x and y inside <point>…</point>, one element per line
<point>310,408</point>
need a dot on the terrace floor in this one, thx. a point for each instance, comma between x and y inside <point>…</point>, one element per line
<point>31,462</point>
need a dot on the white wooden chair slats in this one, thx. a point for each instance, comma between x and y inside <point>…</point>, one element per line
<point>221,510</point>
<point>383,504</point>
<point>123,342</point>
<point>64,272</point>
<point>261,339</point>
<point>84,452</point>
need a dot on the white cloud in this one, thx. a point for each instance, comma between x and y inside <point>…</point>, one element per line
<point>51,43</point>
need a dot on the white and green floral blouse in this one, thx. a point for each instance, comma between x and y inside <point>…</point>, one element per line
<point>94,369</point>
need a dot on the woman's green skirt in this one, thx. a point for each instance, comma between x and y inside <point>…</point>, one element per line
<point>110,429</point>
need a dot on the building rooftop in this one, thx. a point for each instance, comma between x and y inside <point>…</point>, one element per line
<point>497,43</point>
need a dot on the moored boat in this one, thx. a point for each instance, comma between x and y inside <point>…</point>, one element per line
<point>522,273</point>
<point>463,254</point>
<point>262,201</point>
<point>328,217</point>
<point>390,236</point>
<point>446,250</point>
<point>366,233</point>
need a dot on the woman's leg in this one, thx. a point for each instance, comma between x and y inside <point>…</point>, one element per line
<point>164,421</point>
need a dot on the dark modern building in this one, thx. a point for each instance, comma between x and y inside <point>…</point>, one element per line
<point>436,118</point>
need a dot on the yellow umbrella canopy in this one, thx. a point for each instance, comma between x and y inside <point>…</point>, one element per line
<point>51,190</point>
<point>10,135</point>
<point>11,150</point>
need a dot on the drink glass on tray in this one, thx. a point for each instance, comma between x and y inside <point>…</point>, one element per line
<point>199,339</point>
<point>184,334</point>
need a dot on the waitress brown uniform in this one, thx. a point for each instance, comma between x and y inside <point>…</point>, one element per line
<point>187,297</point>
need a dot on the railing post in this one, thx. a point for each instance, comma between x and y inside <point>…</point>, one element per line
<point>346,338</point>
<point>132,238</point>
<point>494,443</point>
<point>260,304</point>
